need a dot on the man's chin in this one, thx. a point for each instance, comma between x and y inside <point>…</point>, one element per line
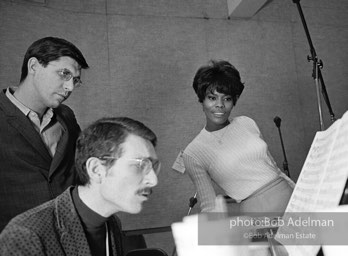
<point>59,100</point>
<point>133,211</point>
<point>56,104</point>
<point>136,210</point>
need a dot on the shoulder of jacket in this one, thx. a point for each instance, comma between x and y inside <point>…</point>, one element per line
<point>68,116</point>
<point>35,218</point>
<point>64,110</point>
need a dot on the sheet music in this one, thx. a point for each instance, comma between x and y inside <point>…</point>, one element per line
<point>312,174</point>
<point>340,250</point>
<point>322,179</point>
<point>336,171</point>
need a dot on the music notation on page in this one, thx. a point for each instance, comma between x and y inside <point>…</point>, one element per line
<point>322,179</point>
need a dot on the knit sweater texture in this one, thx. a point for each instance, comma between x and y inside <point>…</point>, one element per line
<point>236,158</point>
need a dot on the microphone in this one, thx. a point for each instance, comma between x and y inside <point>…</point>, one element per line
<point>277,121</point>
<point>193,200</point>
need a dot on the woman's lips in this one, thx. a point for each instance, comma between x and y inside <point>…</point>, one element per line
<point>218,114</point>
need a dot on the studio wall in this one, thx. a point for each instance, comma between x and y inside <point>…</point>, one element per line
<point>143,56</point>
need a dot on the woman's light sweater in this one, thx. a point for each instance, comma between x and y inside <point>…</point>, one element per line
<point>235,157</point>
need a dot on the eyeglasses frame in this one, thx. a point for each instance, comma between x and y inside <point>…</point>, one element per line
<point>145,171</point>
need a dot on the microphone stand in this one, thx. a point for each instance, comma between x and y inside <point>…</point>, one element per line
<point>192,202</point>
<point>277,122</point>
<point>317,76</point>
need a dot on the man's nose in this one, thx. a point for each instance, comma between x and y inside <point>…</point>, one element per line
<point>69,85</point>
<point>151,178</point>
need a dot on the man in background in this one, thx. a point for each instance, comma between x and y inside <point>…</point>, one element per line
<point>37,132</point>
<point>116,167</point>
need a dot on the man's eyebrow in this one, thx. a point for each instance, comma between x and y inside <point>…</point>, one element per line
<point>78,71</point>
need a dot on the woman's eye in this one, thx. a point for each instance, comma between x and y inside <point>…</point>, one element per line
<point>228,99</point>
<point>211,97</point>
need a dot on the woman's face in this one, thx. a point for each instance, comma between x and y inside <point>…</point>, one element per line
<point>217,108</point>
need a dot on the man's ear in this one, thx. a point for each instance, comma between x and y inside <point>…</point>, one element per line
<point>95,169</point>
<point>32,65</point>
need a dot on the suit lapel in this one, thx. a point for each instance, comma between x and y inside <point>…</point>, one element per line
<point>72,236</point>
<point>75,243</point>
<point>61,147</point>
<point>115,234</point>
<point>22,124</point>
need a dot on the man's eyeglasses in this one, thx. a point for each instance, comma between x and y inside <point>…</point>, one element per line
<point>66,75</point>
<point>145,165</point>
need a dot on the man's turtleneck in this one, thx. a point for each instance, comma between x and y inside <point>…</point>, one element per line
<point>93,224</point>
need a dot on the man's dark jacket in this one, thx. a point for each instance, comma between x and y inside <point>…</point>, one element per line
<point>53,229</point>
<point>29,176</point>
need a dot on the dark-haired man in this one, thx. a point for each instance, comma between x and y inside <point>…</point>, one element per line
<point>37,132</point>
<point>116,168</point>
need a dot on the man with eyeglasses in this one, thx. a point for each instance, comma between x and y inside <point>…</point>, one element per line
<point>116,169</point>
<point>37,132</point>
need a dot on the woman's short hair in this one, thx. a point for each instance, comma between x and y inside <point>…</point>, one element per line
<point>103,138</point>
<point>49,49</point>
<point>221,76</point>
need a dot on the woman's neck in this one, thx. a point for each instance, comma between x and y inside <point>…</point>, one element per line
<point>212,127</point>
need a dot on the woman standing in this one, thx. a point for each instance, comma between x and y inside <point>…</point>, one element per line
<point>232,153</point>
